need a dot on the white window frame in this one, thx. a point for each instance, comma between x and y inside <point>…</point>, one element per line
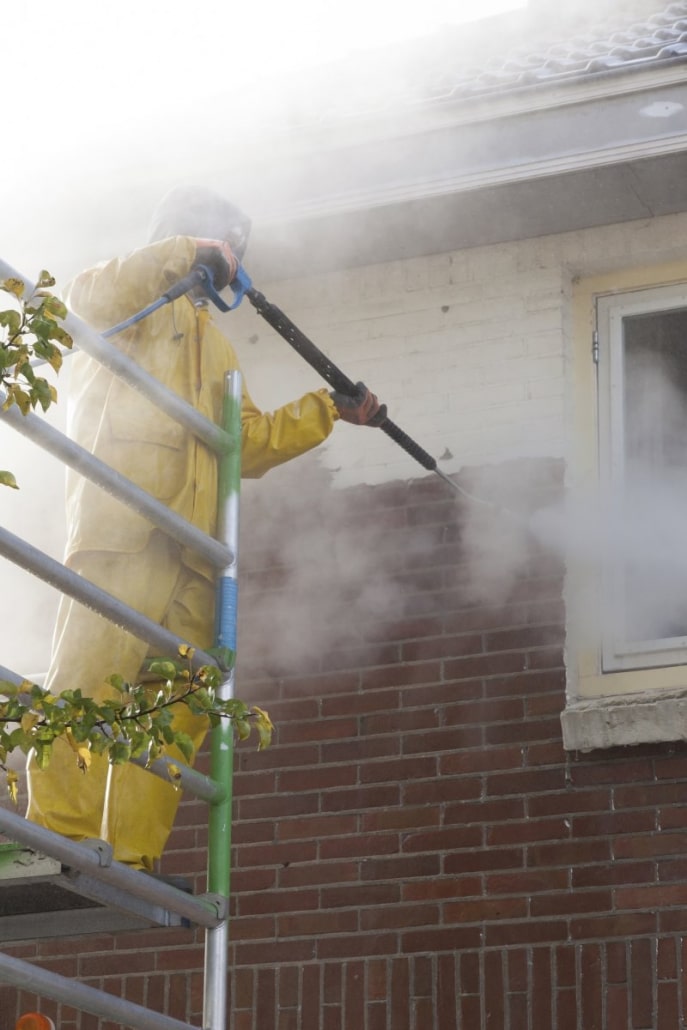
<point>615,696</point>
<point>611,310</point>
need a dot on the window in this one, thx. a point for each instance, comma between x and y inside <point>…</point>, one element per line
<point>627,596</point>
<point>642,376</point>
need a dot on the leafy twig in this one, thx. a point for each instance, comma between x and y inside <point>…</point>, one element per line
<point>138,720</point>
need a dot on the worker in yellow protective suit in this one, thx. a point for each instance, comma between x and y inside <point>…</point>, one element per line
<point>120,550</point>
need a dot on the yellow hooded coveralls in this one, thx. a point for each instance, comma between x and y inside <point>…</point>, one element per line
<point>121,551</point>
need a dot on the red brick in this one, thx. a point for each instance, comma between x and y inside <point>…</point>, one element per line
<point>523,732</point>
<point>650,844</point>
<point>651,896</point>
<point>483,665</point>
<point>401,675</point>
<point>361,750</point>
<point>359,799</point>
<point>499,935</point>
<point>362,703</point>
<point>277,757</point>
<point>398,916</point>
<point>399,1002</point>
<point>399,769</point>
<point>361,895</point>
<point>616,873</point>
<point>448,738</point>
<point>667,1005</point>
<point>525,636</point>
<point>266,902</point>
<point>317,826</point>
<point>569,853</point>
<point>612,925</point>
<point>471,1010</point>
<point>527,781</point>
<point>527,881</point>
<point>402,721</point>
<point>442,789</point>
<point>437,939</point>
<point>402,867</point>
<point>311,986</point>
<point>357,946</point>
<point>321,729</point>
<point>485,860</point>
<point>666,959</point>
<point>400,818</point>
<point>528,831</point>
<point>570,902</point>
<point>277,806</point>
<point>307,874</point>
<point>354,994</point>
<point>542,988</point>
<point>447,993</point>
<point>333,987</point>
<point>275,854</point>
<point>442,693</point>
<point>569,802</point>
<point>360,846</point>
<point>317,778</point>
<point>274,952</point>
<point>423,976</point>
<point>492,811</point>
<point>642,971</point>
<point>442,647</point>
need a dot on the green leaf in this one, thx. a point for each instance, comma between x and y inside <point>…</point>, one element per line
<point>7,479</point>
<point>120,753</point>
<point>11,319</point>
<point>185,745</point>
<point>225,657</point>
<point>165,669</point>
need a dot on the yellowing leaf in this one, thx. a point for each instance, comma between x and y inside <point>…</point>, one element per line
<point>186,651</point>
<point>174,774</point>
<point>83,757</point>
<point>7,479</point>
<point>12,785</point>
<point>29,720</point>
<point>13,285</point>
<point>264,726</point>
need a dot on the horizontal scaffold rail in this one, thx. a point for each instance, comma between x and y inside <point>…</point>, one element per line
<point>95,858</point>
<point>51,985</point>
<point>92,343</point>
<point>86,464</point>
<point>53,572</point>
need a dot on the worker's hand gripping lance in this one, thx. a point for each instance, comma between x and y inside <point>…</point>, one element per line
<point>338,380</point>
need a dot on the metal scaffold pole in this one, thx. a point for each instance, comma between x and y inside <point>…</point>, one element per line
<point>222,747</point>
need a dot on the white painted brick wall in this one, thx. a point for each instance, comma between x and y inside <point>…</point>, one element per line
<point>469,349</point>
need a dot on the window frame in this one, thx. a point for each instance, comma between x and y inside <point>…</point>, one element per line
<point>619,706</point>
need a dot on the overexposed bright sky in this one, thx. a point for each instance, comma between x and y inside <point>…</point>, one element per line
<point>100,96</point>
<point>79,49</point>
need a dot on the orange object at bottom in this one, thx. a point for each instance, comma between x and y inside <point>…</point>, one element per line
<point>34,1021</point>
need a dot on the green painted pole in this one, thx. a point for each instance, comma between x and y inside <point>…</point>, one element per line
<point>222,742</point>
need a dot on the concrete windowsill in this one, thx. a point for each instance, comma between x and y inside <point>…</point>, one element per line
<point>647,718</point>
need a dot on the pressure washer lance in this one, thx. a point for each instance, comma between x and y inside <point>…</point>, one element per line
<point>339,380</point>
<point>214,271</point>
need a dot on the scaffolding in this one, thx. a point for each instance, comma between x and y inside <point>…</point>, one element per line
<point>88,889</point>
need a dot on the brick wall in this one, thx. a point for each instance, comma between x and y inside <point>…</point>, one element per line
<point>417,852</point>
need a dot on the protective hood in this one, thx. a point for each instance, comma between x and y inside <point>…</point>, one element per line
<point>201,213</point>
